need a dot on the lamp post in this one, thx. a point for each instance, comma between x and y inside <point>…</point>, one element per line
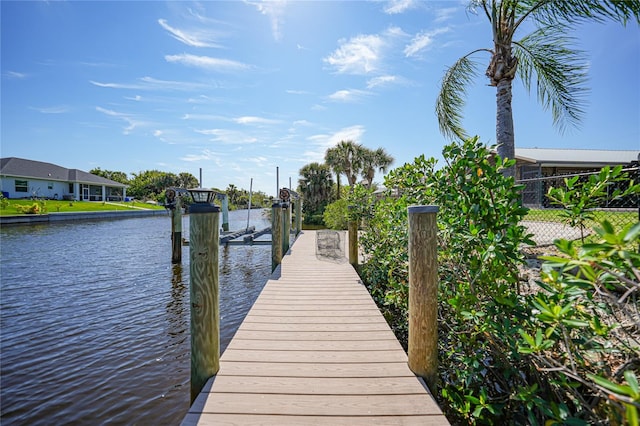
<point>204,235</point>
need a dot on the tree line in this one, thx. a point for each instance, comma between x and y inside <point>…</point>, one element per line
<point>347,158</point>
<point>150,185</point>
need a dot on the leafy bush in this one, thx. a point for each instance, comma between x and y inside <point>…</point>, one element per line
<point>336,214</point>
<point>34,208</point>
<point>565,353</point>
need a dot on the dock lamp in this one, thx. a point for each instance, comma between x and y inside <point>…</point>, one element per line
<point>203,200</point>
<point>204,236</point>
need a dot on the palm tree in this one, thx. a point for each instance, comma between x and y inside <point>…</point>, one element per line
<point>372,161</point>
<point>346,157</point>
<point>544,55</point>
<point>333,160</point>
<point>315,186</point>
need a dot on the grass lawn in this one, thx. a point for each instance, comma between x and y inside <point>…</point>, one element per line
<point>55,206</point>
<point>555,215</point>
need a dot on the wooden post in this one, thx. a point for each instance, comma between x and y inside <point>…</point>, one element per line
<point>353,240</point>
<point>176,232</point>
<point>423,293</point>
<point>286,227</point>
<point>225,213</point>
<point>205,313</point>
<point>298,215</point>
<point>276,235</point>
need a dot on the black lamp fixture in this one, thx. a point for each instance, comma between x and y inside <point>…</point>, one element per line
<point>202,200</point>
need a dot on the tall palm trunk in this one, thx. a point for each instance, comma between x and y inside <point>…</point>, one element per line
<point>505,137</point>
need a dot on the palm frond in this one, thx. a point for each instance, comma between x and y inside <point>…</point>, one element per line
<point>452,96</point>
<point>576,11</point>
<point>560,70</point>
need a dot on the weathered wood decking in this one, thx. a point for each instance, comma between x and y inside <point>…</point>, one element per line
<point>314,349</point>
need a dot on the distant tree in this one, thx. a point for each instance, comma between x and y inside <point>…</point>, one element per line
<point>232,194</point>
<point>543,57</point>
<point>151,184</point>
<point>315,187</point>
<point>345,158</point>
<point>187,180</point>
<point>112,175</point>
<point>372,161</point>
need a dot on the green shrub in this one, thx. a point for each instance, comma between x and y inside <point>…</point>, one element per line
<point>565,353</point>
<point>336,214</point>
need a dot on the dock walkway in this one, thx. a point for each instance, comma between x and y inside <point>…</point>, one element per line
<point>314,349</point>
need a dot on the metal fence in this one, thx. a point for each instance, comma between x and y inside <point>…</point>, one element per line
<point>545,219</point>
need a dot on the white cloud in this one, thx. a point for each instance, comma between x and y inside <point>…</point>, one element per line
<point>325,141</point>
<point>399,6</point>
<point>150,83</point>
<point>229,137</point>
<point>132,123</point>
<point>297,92</point>
<point>274,10</point>
<point>58,109</point>
<point>364,53</point>
<point>255,120</point>
<point>422,41</point>
<point>190,38</point>
<point>207,62</point>
<point>348,95</point>
<point>445,14</point>
<point>359,55</point>
<point>382,80</point>
<point>15,75</point>
<point>204,155</point>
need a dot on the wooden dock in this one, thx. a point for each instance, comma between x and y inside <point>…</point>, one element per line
<point>314,350</point>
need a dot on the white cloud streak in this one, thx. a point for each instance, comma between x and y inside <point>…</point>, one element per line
<point>422,41</point>
<point>274,10</point>
<point>150,83</point>
<point>348,95</point>
<point>208,63</point>
<point>394,7</point>
<point>192,38</point>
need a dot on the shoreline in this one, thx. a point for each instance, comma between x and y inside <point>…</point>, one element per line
<point>27,219</point>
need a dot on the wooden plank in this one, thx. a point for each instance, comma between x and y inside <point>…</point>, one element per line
<point>358,319</point>
<point>277,345</point>
<point>320,385</point>
<point>321,405</point>
<point>206,419</point>
<point>312,312</point>
<point>262,369</point>
<point>308,356</point>
<point>302,327</point>
<point>314,335</point>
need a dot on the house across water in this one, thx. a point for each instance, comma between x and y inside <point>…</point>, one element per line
<point>21,178</point>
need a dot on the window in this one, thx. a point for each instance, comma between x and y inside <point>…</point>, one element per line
<point>70,188</point>
<point>50,185</point>
<point>22,186</point>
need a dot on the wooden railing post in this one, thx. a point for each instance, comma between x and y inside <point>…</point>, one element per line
<point>276,235</point>
<point>423,293</point>
<point>176,232</point>
<point>225,213</point>
<point>298,215</point>
<point>286,227</point>
<point>204,234</point>
<point>353,239</point>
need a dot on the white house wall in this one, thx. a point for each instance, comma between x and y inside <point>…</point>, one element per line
<point>36,187</point>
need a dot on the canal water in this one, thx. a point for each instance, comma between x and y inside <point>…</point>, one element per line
<point>94,319</point>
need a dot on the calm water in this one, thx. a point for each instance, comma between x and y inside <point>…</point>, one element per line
<point>94,319</point>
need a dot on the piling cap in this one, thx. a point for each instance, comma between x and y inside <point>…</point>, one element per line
<point>423,209</point>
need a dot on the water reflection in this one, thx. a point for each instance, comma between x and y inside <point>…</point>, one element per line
<point>95,320</point>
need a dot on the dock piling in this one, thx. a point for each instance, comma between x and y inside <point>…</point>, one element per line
<point>423,293</point>
<point>353,239</point>
<point>205,313</point>
<point>276,235</point>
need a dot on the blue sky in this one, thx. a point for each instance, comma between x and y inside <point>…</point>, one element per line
<point>239,88</point>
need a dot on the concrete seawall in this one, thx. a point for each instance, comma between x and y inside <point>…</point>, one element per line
<point>62,217</point>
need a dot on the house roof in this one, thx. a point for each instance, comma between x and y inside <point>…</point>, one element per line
<point>576,157</point>
<point>19,167</point>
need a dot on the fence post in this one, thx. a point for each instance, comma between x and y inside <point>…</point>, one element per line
<point>204,234</point>
<point>276,235</point>
<point>423,293</point>
<point>298,215</point>
<point>225,213</point>
<point>286,227</point>
<point>353,239</point>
